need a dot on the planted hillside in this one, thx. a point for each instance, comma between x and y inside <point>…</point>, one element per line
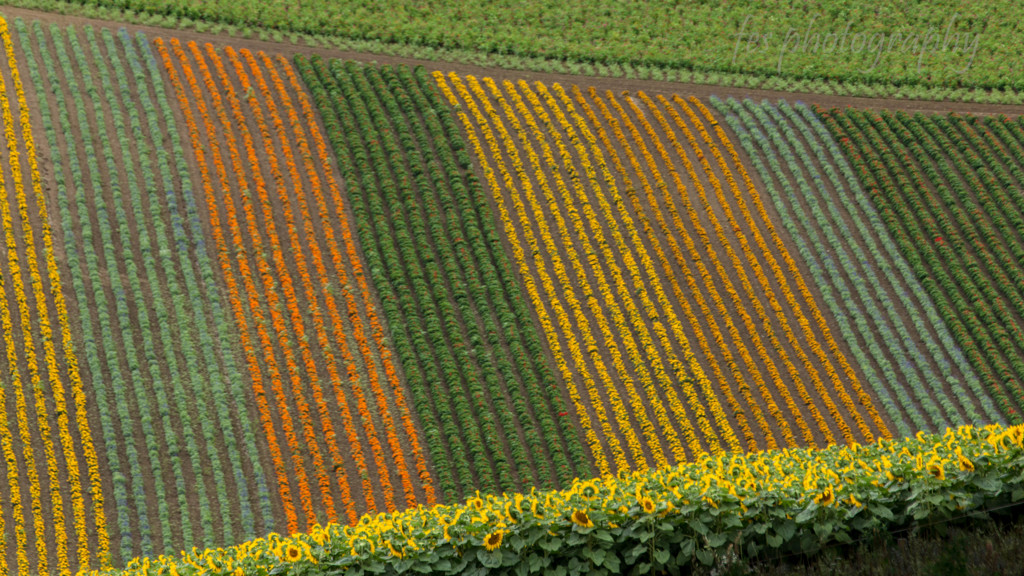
<point>678,320</point>
<point>899,340</point>
<point>153,327</point>
<point>492,415</point>
<point>947,192</point>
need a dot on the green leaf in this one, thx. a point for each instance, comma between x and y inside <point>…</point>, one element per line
<point>717,540</point>
<point>705,557</point>
<point>774,541</point>
<point>661,555</point>
<point>550,544</point>
<point>698,527</point>
<point>989,484</point>
<point>603,535</point>
<point>1018,494</point>
<point>881,510</point>
<point>537,562</point>
<point>822,529</point>
<point>786,530</point>
<point>488,559</point>
<point>685,551</point>
<point>807,514</point>
<point>643,568</point>
<point>597,556</point>
<point>612,563</point>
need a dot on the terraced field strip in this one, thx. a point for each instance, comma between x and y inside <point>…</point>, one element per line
<point>481,384</point>
<point>953,206</point>
<point>181,455</point>
<point>342,439</point>
<point>633,300</point>
<point>910,359</point>
<point>52,514</point>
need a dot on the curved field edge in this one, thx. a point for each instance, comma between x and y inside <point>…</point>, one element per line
<point>903,84</point>
<point>790,501</point>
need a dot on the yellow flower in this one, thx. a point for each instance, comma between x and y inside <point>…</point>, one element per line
<point>826,498</point>
<point>965,463</point>
<point>493,540</point>
<point>936,469</point>
<point>582,518</point>
<point>647,504</point>
<point>855,502</point>
<point>292,553</point>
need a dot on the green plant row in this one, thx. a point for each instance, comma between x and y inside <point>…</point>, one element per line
<point>749,505</point>
<point>489,414</point>
<point>896,188</point>
<point>846,291</point>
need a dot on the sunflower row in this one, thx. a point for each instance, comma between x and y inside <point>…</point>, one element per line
<point>946,352</point>
<point>885,334</point>
<point>788,501</point>
<point>895,196</point>
<point>681,260</point>
<point>647,428</point>
<point>626,249</point>
<point>547,325</point>
<point>655,242</point>
<point>997,273</point>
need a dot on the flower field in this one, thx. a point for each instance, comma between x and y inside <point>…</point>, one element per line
<point>431,319</point>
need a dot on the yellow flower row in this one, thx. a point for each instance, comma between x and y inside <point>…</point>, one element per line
<point>715,296</point>
<point>838,477</point>
<point>550,246</point>
<point>862,396</point>
<point>626,249</point>
<point>782,278</point>
<point>597,448</point>
<point>737,304</point>
<point>600,283</point>
<point>752,294</point>
<point>38,316</point>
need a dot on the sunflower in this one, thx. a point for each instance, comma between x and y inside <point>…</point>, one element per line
<point>826,498</point>
<point>588,490</point>
<point>936,469</point>
<point>493,540</point>
<point>965,463</point>
<point>582,518</point>
<point>647,504</point>
<point>292,553</point>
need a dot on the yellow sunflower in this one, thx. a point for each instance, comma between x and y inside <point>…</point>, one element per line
<point>493,540</point>
<point>965,463</point>
<point>826,498</point>
<point>647,504</point>
<point>588,490</point>
<point>936,469</point>
<point>292,553</point>
<point>582,518</point>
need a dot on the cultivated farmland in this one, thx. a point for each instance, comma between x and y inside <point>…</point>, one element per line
<point>434,319</point>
